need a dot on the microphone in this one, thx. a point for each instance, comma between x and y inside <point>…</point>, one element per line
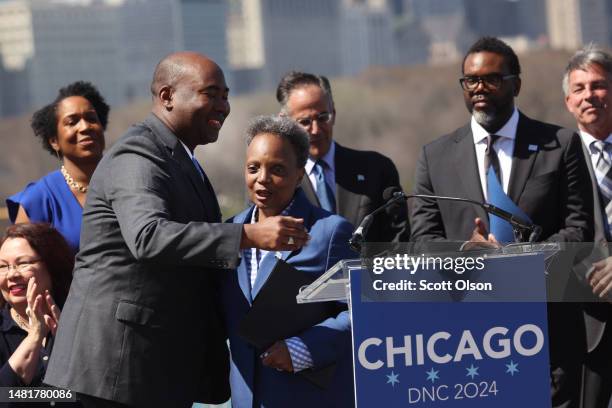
<point>392,195</point>
<point>391,192</point>
<point>515,221</point>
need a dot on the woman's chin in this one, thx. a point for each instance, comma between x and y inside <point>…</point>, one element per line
<point>268,210</point>
<point>17,301</point>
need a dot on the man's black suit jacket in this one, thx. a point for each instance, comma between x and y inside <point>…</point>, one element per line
<point>361,178</point>
<point>141,325</point>
<point>598,364</point>
<point>549,181</point>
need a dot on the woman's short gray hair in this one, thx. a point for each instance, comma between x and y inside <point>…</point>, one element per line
<point>285,128</point>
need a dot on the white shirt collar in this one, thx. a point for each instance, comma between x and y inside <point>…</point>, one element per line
<point>328,158</point>
<point>187,150</point>
<point>507,131</point>
<point>588,139</point>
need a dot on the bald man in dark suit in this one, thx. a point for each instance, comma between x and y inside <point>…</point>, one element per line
<point>141,326</point>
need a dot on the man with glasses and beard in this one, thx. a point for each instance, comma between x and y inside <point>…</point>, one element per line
<point>533,169</point>
<point>344,181</point>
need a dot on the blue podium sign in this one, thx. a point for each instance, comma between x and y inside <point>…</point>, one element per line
<point>455,353</point>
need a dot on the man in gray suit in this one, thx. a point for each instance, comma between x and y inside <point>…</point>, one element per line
<point>587,84</point>
<point>141,326</point>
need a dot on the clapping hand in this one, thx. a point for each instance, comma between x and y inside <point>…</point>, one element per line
<point>37,328</point>
<point>43,313</point>
<point>601,277</point>
<point>481,239</point>
<point>51,319</point>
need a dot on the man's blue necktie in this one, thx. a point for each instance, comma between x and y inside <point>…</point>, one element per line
<point>495,192</point>
<point>197,166</point>
<point>324,191</point>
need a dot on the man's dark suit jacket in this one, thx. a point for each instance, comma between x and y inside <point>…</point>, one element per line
<point>141,325</point>
<point>549,181</point>
<point>361,178</point>
<point>598,364</point>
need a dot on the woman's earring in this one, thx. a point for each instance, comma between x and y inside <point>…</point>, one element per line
<point>57,155</point>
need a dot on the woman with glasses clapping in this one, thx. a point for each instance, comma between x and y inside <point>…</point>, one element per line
<point>35,274</point>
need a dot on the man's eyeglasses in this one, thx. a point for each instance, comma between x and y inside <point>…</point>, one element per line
<point>491,81</point>
<point>323,117</point>
<point>20,267</point>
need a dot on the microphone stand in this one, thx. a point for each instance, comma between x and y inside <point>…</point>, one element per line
<point>520,227</point>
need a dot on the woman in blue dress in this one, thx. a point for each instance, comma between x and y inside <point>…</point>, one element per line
<point>283,374</point>
<point>71,128</point>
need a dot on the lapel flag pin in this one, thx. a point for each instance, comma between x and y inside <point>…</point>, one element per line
<point>533,148</point>
<point>360,177</point>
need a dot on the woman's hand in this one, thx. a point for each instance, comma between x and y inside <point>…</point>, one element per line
<point>52,319</point>
<point>277,356</point>
<point>24,360</point>
<point>37,328</point>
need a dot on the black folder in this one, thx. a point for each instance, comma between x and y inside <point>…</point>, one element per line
<point>276,315</point>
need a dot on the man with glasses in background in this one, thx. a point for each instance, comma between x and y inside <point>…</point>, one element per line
<point>532,169</point>
<point>345,181</point>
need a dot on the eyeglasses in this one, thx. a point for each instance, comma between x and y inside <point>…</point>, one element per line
<point>323,117</point>
<point>491,81</point>
<point>20,267</point>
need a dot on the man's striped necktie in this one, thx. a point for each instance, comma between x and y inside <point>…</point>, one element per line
<point>603,173</point>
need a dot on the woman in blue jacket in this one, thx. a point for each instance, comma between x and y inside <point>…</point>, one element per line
<point>276,154</point>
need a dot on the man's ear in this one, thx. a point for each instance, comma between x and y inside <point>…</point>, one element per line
<point>166,97</point>
<point>517,86</point>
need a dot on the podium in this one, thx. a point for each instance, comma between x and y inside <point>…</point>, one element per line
<point>430,336</point>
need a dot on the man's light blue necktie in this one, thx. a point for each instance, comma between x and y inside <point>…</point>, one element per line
<point>324,191</point>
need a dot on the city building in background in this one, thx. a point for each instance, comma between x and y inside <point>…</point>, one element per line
<point>204,26</point>
<point>113,43</point>
<point>572,23</point>
<point>45,44</point>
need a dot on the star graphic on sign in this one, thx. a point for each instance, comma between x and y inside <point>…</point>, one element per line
<point>392,378</point>
<point>472,371</point>
<point>512,368</point>
<point>432,375</point>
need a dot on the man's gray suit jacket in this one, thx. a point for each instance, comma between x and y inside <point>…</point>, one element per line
<point>141,323</point>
